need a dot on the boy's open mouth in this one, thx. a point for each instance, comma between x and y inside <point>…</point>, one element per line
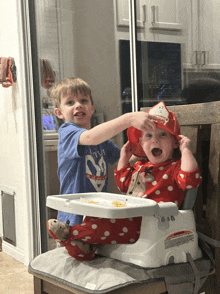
<point>79,114</point>
<point>156,152</point>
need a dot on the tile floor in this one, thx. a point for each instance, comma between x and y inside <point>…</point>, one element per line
<point>14,276</point>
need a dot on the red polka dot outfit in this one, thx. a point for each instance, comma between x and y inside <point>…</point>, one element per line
<point>101,231</point>
<point>169,185</point>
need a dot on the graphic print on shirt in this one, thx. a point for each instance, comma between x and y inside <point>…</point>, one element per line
<point>96,169</point>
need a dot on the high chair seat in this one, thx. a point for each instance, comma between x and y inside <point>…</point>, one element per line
<point>57,272</point>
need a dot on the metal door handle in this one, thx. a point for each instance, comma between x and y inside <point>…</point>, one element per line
<point>153,8</point>
<point>196,57</point>
<point>203,57</point>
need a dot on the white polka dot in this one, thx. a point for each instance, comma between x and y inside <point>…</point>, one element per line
<point>132,240</point>
<point>73,243</point>
<point>122,179</point>
<point>182,176</point>
<point>197,175</point>
<point>125,230</point>
<point>157,192</point>
<point>94,226</point>
<point>173,163</point>
<point>161,168</point>
<point>170,188</point>
<point>165,176</point>
<point>128,168</point>
<point>81,255</point>
<point>103,238</point>
<point>131,219</point>
<point>154,183</point>
<point>75,232</point>
<point>83,224</point>
<point>112,221</point>
<point>87,237</point>
<point>113,242</point>
<point>121,234</point>
<point>106,233</point>
<point>189,187</point>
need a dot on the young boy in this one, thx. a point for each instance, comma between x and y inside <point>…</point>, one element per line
<point>158,176</point>
<point>84,153</point>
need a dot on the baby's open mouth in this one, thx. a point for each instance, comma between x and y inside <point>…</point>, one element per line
<point>156,152</point>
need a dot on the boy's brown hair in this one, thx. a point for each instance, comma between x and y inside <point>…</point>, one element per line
<point>69,86</point>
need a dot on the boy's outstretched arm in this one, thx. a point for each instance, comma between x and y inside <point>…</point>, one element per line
<point>140,120</point>
<point>188,161</point>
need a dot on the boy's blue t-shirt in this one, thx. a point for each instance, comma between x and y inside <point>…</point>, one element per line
<point>82,168</point>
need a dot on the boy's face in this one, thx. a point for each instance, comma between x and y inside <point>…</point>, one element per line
<point>76,109</point>
<point>158,145</point>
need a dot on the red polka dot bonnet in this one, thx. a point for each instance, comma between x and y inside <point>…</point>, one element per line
<point>170,125</point>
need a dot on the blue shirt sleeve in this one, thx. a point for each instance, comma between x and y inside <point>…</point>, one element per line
<point>113,152</point>
<point>68,140</point>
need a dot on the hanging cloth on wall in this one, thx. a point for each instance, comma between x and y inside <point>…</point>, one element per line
<point>48,74</point>
<point>9,80</point>
<point>3,69</point>
<point>13,70</point>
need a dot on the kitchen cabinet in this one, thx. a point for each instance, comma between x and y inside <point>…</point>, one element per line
<point>164,15</point>
<point>157,14</point>
<point>157,20</point>
<point>209,34</point>
<point>202,44</point>
<point>122,12</point>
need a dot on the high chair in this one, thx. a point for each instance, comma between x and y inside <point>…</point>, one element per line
<point>165,237</point>
<point>201,123</point>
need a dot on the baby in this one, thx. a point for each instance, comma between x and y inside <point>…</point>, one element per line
<point>158,176</point>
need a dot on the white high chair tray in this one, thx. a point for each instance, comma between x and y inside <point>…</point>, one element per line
<point>102,205</point>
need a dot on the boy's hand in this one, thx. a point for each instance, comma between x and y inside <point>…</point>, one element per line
<point>145,121</point>
<point>184,143</point>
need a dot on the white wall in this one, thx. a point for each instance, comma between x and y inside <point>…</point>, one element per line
<point>14,172</point>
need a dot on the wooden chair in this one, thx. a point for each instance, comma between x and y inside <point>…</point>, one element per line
<point>201,123</point>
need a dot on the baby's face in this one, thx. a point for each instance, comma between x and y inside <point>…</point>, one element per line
<point>158,145</point>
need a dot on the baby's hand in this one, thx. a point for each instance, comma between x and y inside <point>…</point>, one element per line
<point>145,121</point>
<point>126,151</point>
<point>184,143</point>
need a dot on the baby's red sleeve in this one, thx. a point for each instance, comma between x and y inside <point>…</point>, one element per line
<point>188,180</point>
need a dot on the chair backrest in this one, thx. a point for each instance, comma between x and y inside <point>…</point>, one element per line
<point>201,123</point>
